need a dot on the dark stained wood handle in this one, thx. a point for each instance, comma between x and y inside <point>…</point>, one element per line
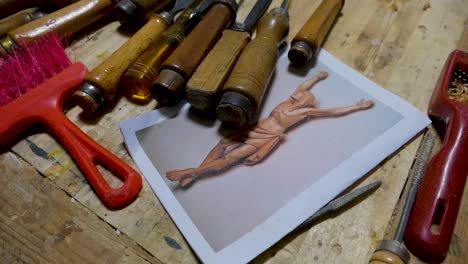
<point>151,5</point>
<point>198,43</point>
<point>107,75</point>
<point>139,77</point>
<point>255,66</point>
<point>65,21</point>
<point>10,7</point>
<point>314,31</point>
<point>18,19</point>
<point>202,89</point>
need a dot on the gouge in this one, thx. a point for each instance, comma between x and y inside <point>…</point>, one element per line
<point>19,19</point>
<point>310,38</point>
<point>102,84</point>
<point>134,12</point>
<point>10,7</point>
<point>177,69</point>
<point>139,77</point>
<point>64,22</point>
<point>245,87</point>
<point>211,74</point>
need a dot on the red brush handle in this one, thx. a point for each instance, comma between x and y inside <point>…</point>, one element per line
<point>43,104</point>
<point>434,213</point>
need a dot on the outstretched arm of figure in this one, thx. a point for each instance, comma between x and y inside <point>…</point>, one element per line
<point>332,112</point>
<point>307,85</point>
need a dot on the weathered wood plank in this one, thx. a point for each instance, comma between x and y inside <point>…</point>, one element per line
<point>39,224</point>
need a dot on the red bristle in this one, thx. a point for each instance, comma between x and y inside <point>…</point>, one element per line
<point>29,65</point>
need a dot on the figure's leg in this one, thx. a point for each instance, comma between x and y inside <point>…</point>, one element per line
<point>215,166</point>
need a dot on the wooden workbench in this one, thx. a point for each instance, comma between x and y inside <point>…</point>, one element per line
<point>48,213</point>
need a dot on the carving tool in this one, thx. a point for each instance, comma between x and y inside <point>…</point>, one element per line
<point>209,77</point>
<point>133,12</point>
<point>432,219</point>
<point>9,7</point>
<point>309,39</point>
<point>177,69</point>
<point>102,84</point>
<point>393,251</point>
<point>19,19</point>
<point>343,201</point>
<point>34,84</point>
<point>64,22</point>
<point>139,77</point>
<point>245,87</point>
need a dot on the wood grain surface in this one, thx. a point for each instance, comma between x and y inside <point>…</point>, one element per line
<point>48,213</point>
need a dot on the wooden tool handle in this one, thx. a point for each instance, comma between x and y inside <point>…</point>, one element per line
<point>139,77</point>
<point>385,257</point>
<point>133,12</point>
<point>202,89</point>
<point>309,39</point>
<point>254,68</point>
<point>107,75</point>
<point>65,21</point>
<point>19,19</point>
<point>150,5</point>
<point>9,7</point>
<point>191,52</point>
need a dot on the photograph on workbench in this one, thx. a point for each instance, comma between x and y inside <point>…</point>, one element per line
<point>234,193</point>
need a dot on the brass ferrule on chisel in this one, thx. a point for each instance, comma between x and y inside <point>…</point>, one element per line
<point>245,87</point>
<point>64,22</point>
<point>10,7</point>
<point>19,19</point>
<point>177,69</point>
<point>139,77</point>
<point>203,88</point>
<point>310,37</point>
<point>134,12</point>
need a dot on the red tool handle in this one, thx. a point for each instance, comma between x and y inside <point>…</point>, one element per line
<point>43,104</point>
<point>434,214</point>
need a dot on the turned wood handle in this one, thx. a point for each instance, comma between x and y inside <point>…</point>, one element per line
<point>19,19</point>
<point>314,31</point>
<point>198,43</point>
<point>139,77</point>
<point>9,7</point>
<point>107,75</point>
<point>256,64</point>
<point>208,79</point>
<point>65,21</point>
<point>151,5</point>
<point>385,257</point>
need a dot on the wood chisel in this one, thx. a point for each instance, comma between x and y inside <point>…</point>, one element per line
<point>434,215</point>
<point>64,22</point>
<point>309,39</point>
<point>102,84</point>
<point>179,67</point>
<point>19,19</point>
<point>392,251</point>
<point>135,12</point>
<point>139,77</point>
<point>202,89</point>
<point>245,87</point>
<point>10,7</point>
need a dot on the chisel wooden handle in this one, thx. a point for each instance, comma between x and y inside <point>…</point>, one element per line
<point>385,257</point>
<point>105,77</point>
<point>309,39</point>
<point>10,7</point>
<point>186,58</point>
<point>202,89</point>
<point>245,87</point>
<point>19,19</point>
<point>64,22</point>
<point>139,77</point>
<point>131,12</point>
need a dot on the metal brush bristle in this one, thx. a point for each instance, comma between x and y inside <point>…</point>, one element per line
<point>458,88</point>
<point>30,65</point>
